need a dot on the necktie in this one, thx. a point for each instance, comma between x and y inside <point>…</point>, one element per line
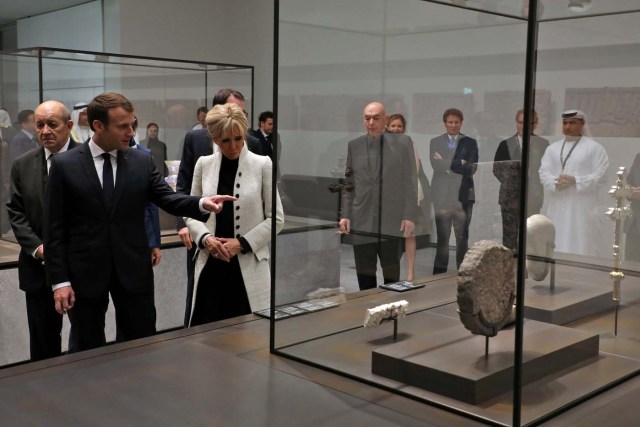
<point>49,161</point>
<point>452,143</point>
<point>107,179</point>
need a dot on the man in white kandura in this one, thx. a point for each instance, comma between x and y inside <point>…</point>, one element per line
<point>573,173</point>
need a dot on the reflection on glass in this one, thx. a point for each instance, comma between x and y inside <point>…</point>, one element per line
<point>165,94</point>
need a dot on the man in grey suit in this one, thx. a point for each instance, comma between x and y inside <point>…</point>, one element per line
<point>29,175</point>
<point>506,167</point>
<point>379,201</point>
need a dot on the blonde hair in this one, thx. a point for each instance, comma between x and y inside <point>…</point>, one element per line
<point>222,120</point>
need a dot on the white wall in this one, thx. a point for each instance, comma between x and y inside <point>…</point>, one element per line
<point>78,27</point>
<point>238,32</point>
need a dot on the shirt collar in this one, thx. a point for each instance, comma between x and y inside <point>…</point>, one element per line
<point>65,147</point>
<point>97,151</point>
<point>453,136</point>
<point>27,133</point>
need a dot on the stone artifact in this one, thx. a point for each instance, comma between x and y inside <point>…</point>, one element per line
<point>486,288</point>
<point>391,311</point>
<point>338,294</point>
<point>541,237</point>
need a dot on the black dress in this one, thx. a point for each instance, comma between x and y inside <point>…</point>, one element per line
<point>221,292</point>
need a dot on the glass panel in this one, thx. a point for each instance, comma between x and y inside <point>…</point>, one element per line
<point>164,92</point>
<point>419,59</point>
<point>572,315</point>
<point>18,92</point>
<point>577,9</point>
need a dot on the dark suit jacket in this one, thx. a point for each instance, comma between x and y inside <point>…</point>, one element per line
<point>377,200</point>
<point>266,144</point>
<point>20,144</point>
<point>158,152</point>
<point>506,168</point>
<point>452,181</point>
<point>197,143</point>
<point>85,243</point>
<point>151,214</point>
<point>26,209</point>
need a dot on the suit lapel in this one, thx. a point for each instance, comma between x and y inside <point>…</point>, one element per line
<point>89,168</point>
<point>444,150</point>
<point>459,146</point>
<point>514,148</point>
<point>40,170</point>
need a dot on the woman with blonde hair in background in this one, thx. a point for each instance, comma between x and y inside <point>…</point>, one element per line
<point>398,124</point>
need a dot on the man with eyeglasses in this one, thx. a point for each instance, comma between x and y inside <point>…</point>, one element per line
<point>507,169</point>
<point>379,199</point>
<point>573,173</point>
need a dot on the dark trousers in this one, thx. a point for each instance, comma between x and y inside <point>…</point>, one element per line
<point>366,256</point>
<point>510,226</point>
<point>459,218</point>
<point>135,317</point>
<point>45,325</point>
<point>191,264</point>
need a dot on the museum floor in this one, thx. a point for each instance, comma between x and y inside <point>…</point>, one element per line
<point>222,374</point>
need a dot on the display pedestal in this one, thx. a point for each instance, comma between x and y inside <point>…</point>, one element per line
<point>568,302</point>
<point>455,365</point>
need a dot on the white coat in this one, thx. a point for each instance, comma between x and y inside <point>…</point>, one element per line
<point>252,214</point>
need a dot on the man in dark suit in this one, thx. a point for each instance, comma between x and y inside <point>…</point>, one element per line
<point>95,241</point>
<point>197,143</point>
<point>24,140</point>
<point>379,200</point>
<point>157,148</point>
<point>151,214</point>
<point>265,135</point>
<point>454,158</point>
<point>29,175</point>
<point>506,167</point>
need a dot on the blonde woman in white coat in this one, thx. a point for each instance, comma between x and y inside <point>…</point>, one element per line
<point>232,268</point>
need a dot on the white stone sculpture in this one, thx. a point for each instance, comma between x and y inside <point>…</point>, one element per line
<point>393,310</point>
<point>541,238</point>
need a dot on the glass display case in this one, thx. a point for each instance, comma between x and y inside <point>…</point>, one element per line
<point>538,315</point>
<point>164,91</point>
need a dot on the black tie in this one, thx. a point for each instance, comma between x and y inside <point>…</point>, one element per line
<point>107,179</point>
